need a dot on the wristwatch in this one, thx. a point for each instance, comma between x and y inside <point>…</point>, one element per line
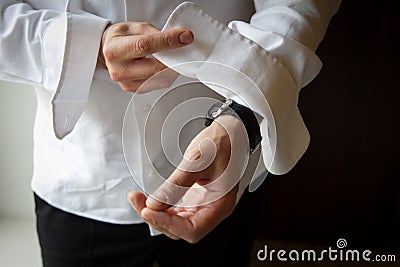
<point>241,112</point>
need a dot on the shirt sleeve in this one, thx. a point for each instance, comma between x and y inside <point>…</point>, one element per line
<point>262,65</point>
<point>54,48</point>
<point>291,31</point>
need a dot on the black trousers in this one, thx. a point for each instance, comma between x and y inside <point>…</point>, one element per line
<point>70,240</point>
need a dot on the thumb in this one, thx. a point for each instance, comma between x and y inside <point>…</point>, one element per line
<point>198,157</point>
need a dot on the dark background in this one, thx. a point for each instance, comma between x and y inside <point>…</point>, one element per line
<point>347,183</point>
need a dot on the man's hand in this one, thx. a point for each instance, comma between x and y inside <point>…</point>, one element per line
<point>125,45</point>
<point>207,179</point>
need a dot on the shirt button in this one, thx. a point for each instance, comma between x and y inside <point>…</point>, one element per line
<point>147,108</point>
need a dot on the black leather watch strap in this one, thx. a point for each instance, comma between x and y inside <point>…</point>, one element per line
<point>245,114</point>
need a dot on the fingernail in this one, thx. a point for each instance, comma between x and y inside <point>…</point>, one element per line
<point>186,37</point>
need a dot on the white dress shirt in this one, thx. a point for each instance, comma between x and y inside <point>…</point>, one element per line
<point>79,161</point>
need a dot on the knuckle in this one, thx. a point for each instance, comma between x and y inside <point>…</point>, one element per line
<point>121,27</point>
<point>143,26</point>
<point>142,46</point>
<point>109,54</point>
<point>116,76</point>
<point>128,88</point>
<point>193,239</point>
<point>192,154</point>
<point>120,73</point>
<point>167,40</point>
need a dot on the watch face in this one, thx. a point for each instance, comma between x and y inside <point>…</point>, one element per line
<point>220,108</point>
<point>213,112</point>
<point>216,113</point>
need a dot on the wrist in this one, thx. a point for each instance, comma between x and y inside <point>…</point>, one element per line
<point>228,122</point>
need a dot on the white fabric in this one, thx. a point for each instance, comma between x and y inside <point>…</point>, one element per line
<point>269,88</point>
<point>79,164</point>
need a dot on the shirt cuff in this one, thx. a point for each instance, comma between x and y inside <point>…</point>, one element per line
<point>301,62</point>
<point>70,68</point>
<point>238,68</point>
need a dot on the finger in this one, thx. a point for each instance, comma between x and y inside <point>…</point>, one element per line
<point>192,227</point>
<point>137,200</point>
<point>143,45</point>
<point>135,69</point>
<point>159,81</point>
<point>114,43</point>
<point>139,28</point>
<point>145,86</point>
<point>150,221</point>
<point>171,236</point>
<point>186,228</point>
<point>160,221</point>
<point>130,28</point>
<point>131,86</point>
